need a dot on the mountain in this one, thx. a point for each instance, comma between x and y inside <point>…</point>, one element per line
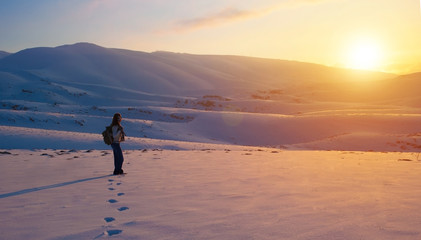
<point>173,73</point>
<point>3,54</point>
<point>55,92</point>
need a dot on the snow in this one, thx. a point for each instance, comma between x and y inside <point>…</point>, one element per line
<point>218,147</point>
<point>204,99</point>
<point>248,193</point>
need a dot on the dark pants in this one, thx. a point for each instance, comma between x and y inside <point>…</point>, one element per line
<point>118,158</point>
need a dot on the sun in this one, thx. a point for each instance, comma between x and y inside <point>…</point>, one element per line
<point>364,54</point>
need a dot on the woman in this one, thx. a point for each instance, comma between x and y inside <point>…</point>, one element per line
<point>118,136</point>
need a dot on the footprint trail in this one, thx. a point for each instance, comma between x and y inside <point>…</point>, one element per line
<point>109,229</point>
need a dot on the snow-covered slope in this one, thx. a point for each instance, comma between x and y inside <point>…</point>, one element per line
<point>60,99</point>
<point>198,98</point>
<point>169,73</point>
<point>4,54</point>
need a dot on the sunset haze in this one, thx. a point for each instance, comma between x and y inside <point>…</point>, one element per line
<point>317,31</point>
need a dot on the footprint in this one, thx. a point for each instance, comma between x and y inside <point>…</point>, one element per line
<point>113,232</point>
<point>123,209</point>
<point>109,219</point>
<point>109,233</point>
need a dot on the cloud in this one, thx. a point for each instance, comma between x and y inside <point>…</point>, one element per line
<point>225,16</point>
<point>303,3</point>
<point>232,14</point>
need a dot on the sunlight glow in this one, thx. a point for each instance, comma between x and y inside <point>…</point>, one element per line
<point>364,54</point>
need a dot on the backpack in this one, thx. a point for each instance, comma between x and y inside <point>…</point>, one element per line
<point>107,134</point>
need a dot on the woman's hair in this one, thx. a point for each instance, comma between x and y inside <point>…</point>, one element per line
<point>116,118</point>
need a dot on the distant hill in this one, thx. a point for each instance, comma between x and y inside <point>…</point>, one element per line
<point>204,98</point>
<point>404,89</point>
<point>3,54</point>
<point>175,73</point>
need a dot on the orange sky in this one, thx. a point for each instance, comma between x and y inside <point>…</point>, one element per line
<point>381,35</point>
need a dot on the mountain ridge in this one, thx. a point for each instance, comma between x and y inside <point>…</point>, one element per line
<point>168,73</point>
<point>206,98</point>
<point>4,54</point>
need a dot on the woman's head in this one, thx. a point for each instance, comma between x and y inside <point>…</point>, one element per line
<point>116,119</point>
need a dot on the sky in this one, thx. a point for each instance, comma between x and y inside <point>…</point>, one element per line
<point>380,35</point>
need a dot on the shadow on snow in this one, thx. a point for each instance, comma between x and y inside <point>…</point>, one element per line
<point>29,190</point>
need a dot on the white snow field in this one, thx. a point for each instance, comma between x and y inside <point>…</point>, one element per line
<point>236,193</point>
<point>218,147</point>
